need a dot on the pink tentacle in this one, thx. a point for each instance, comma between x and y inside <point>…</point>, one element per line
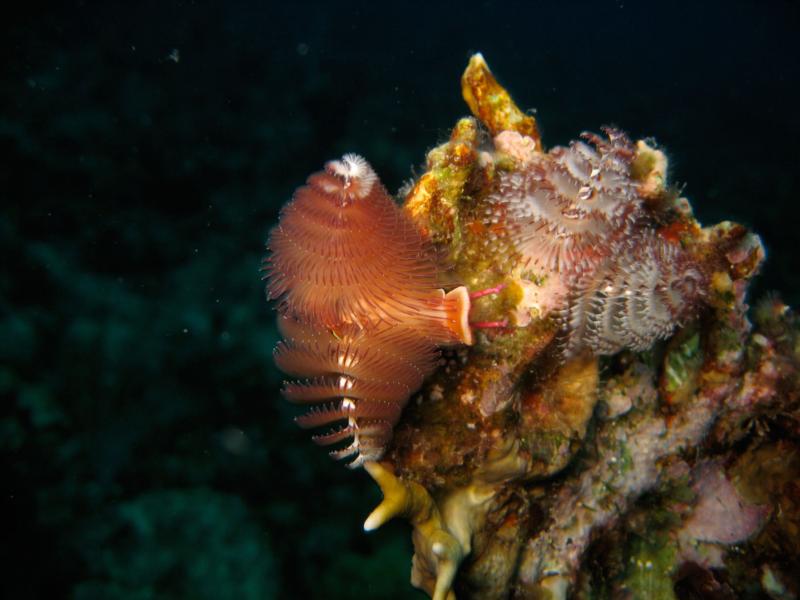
<point>487,291</point>
<point>489,324</point>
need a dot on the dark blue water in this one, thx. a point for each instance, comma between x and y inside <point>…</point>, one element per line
<point>146,149</point>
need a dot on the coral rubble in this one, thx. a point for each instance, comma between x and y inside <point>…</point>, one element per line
<point>618,426</point>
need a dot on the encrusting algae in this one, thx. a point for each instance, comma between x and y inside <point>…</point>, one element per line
<point>604,420</point>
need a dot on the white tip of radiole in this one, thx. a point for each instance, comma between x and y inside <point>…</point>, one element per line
<point>358,175</point>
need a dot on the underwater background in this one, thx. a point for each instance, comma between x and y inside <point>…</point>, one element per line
<point>146,150</point>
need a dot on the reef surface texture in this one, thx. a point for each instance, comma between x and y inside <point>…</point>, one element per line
<point>622,426</point>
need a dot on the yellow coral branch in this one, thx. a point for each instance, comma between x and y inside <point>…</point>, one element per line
<point>492,104</point>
